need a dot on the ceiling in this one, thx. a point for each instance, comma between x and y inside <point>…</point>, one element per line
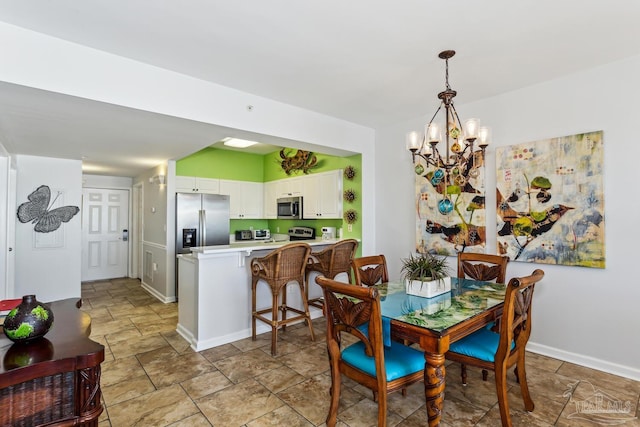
<point>370,62</point>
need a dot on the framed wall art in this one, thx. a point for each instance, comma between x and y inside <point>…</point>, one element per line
<point>550,201</point>
<point>463,229</point>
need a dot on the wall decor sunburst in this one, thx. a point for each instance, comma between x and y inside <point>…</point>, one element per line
<point>350,216</point>
<point>349,195</point>
<point>349,172</point>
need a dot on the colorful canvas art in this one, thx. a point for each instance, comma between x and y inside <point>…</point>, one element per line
<point>464,228</point>
<point>550,201</point>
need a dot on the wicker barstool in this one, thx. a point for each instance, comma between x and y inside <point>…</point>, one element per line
<point>330,262</point>
<point>277,269</point>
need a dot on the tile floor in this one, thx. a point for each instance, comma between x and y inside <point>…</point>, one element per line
<point>151,377</point>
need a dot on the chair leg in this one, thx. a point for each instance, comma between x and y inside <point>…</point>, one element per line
<point>253,309</point>
<point>485,374</point>
<point>307,314</point>
<point>274,323</point>
<point>463,373</point>
<point>524,387</point>
<point>283,308</point>
<point>501,390</point>
<point>382,407</point>
<point>334,393</point>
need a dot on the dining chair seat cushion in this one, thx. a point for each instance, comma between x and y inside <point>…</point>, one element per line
<point>481,344</point>
<point>399,360</point>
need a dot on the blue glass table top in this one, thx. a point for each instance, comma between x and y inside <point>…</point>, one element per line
<point>466,299</point>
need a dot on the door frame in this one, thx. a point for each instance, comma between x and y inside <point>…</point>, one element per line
<point>136,226</point>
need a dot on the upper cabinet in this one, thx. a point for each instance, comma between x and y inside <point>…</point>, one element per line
<point>322,195</point>
<point>273,190</point>
<point>246,199</point>
<point>192,184</point>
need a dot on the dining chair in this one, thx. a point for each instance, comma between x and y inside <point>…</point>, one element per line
<point>330,262</point>
<point>370,270</point>
<point>500,351</point>
<point>487,268</point>
<point>355,310</point>
<point>278,268</point>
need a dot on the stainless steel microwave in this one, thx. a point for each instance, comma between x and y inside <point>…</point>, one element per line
<point>290,207</point>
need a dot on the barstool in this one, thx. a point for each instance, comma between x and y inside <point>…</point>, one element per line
<point>277,269</point>
<point>329,263</point>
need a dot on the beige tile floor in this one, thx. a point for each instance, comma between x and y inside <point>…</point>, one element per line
<point>151,377</point>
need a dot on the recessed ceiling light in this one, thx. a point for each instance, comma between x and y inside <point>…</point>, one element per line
<point>238,143</point>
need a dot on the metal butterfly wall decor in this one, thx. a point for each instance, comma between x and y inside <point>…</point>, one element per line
<point>37,211</point>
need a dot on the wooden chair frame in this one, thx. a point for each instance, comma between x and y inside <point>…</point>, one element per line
<point>370,270</point>
<point>344,315</point>
<point>515,330</point>
<point>483,267</point>
<point>277,269</point>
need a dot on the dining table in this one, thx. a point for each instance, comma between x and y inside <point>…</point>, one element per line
<point>435,323</point>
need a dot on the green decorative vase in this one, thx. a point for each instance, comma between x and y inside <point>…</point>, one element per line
<point>30,320</point>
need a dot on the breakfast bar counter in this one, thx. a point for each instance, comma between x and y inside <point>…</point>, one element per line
<point>214,291</point>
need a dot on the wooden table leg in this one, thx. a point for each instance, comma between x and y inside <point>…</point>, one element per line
<point>434,381</point>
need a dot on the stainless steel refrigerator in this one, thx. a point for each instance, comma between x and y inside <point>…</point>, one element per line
<point>201,220</point>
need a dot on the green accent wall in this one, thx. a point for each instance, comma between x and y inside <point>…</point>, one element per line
<point>223,164</point>
<point>227,164</point>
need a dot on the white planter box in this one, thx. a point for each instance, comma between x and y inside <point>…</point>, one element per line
<point>428,289</point>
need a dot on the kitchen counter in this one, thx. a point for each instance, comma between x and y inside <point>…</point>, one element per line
<point>258,245</point>
<point>214,291</point>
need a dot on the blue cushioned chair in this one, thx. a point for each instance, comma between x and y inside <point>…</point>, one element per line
<point>499,352</point>
<point>380,368</point>
<point>485,267</point>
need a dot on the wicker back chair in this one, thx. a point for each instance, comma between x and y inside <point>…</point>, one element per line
<point>499,352</point>
<point>330,262</point>
<point>279,267</point>
<point>370,270</point>
<point>483,267</point>
<point>355,310</point>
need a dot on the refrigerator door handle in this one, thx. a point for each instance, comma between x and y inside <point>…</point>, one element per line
<point>203,227</point>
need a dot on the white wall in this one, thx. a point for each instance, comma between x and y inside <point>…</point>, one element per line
<point>583,315</point>
<point>51,273</point>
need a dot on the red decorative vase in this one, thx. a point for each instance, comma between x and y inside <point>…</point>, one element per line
<point>30,320</point>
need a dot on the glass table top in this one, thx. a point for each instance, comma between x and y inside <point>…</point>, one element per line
<point>466,299</point>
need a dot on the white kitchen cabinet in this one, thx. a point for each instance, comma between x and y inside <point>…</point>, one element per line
<point>270,197</point>
<point>246,199</point>
<point>193,184</point>
<point>322,195</point>
<point>273,190</point>
<point>290,187</point>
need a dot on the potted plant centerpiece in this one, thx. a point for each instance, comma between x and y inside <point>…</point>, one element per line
<point>426,275</point>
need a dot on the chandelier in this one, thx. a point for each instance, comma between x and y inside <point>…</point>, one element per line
<point>460,161</point>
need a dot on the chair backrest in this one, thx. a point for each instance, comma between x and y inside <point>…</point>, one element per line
<point>282,265</point>
<point>516,316</point>
<point>483,267</point>
<point>335,259</point>
<point>370,270</point>
<point>344,315</point>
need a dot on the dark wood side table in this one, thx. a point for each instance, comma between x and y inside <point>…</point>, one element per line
<point>54,380</point>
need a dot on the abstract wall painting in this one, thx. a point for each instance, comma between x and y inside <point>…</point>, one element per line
<point>464,228</point>
<point>550,201</point>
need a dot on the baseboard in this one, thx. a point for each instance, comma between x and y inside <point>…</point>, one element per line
<point>586,361</point>
<point>157,295</point>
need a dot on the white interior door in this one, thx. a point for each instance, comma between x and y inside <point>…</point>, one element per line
<point>105,228</point>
